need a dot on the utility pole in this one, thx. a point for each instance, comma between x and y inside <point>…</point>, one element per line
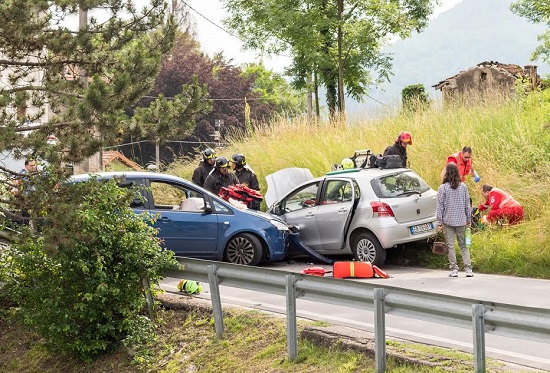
<point>95,162</point>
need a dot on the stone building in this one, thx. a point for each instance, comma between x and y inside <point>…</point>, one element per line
<point>488,79</point>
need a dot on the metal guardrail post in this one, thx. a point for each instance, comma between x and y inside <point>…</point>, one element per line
<point>216,300</point>
<point>291,330</point>
<point>379,331</point>
<point>478,326</point>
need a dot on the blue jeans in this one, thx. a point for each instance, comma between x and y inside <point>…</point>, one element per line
<point>459,233</point>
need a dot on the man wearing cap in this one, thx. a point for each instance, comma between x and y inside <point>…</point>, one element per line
<point>400,147</point>
<point>220,176</point>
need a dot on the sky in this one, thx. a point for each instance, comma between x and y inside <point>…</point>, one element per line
<point>208,15</point>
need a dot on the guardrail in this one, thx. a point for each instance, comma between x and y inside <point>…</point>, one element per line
<point>482,316</point>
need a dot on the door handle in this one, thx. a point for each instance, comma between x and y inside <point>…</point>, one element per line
<point>342,211</point>
<point>310,215</point>
<point>164,218</point>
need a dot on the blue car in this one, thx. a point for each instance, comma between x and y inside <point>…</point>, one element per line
<point>193,222</point>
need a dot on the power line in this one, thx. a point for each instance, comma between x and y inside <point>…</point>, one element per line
<point>221,28</point>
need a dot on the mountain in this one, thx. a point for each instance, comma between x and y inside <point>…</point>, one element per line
<point>471,32</point>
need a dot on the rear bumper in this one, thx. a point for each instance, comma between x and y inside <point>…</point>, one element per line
<point>390,233</point>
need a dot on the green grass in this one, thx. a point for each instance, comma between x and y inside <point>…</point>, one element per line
<point>252,342</point>
<point>511,145</point>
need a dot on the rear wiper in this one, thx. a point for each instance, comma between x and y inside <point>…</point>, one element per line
<point>408,192</point>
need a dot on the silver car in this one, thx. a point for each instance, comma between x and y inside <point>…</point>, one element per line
<point>360,211</point>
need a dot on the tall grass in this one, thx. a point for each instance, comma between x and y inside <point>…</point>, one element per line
<point>511,150</point>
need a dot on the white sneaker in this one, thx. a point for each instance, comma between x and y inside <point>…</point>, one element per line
<point>454,273</point>
<point>469,273</point>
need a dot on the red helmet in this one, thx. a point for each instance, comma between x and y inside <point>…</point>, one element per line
<point>405,137</point>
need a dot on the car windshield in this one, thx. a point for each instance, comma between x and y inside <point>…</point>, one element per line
<point>399,185</point>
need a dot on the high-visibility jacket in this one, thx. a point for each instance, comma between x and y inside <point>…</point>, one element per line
<point>464,167</point>
<point>499,199</point>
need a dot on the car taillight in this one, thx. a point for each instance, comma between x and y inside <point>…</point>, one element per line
<point>381,210</point>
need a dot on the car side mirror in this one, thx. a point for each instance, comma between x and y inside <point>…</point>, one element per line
<point>136,202</point>
<point>207,207</point>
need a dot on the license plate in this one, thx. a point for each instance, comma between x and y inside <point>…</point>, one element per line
<point>422,228</point>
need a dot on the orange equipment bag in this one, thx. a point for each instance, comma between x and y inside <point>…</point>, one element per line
<point>357,270</point>
<point>352,269</point>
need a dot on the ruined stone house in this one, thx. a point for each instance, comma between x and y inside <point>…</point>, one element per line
<point>488,79</point>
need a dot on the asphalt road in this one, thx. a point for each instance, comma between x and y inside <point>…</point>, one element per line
<point>501,289</point>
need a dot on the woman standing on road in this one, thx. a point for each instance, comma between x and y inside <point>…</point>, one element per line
<point>455,213</point>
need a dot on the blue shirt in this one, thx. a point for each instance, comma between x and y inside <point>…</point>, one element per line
<point>453,205</point>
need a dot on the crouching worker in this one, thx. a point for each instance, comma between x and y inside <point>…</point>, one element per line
<point>503,206</point>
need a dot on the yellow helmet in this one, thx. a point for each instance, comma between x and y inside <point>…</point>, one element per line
<point>347,164</point>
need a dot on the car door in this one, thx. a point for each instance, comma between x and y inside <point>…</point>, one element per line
<point>299,208</point>
<point>337,199</point>
<point>185,226</point>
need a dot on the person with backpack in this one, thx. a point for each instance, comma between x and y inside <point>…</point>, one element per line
<point>220,176</point>
<point>453,211</point>
<point>400,147</point>
<point>201,172</point>
<point>503,207</point>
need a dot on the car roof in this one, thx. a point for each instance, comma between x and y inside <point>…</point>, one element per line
<point>125,174</point>
<point>362,173</point>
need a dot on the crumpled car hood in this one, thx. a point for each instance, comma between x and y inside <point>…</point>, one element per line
<point>281,182</point>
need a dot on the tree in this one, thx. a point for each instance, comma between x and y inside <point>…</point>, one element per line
<point>414,97</point>
<point>338,41</point>
<point>274,91</point>
<point>77,84</point>
<point>537,12</point>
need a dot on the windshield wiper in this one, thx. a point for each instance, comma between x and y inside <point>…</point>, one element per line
<point>409,192</point>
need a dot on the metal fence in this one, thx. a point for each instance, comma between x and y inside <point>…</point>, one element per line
<point>481,316</point>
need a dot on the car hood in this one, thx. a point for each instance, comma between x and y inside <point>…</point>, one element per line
<point>283,181</point>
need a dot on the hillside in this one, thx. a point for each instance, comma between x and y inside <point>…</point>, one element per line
<point>469,33</point>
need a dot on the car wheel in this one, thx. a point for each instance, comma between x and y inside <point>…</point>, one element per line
<point>244,249</point>
<point>366,248</point>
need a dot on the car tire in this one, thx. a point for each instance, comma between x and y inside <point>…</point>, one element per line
<point>366,248</point>
<point>244,249</point>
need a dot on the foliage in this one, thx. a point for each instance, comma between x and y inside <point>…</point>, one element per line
<point>83,292</point>
<point>74,84</point>
<point>322,36</point>
<point>274,90</point>
<point>511,146</point>
<point>414,97</point>
<point>536,11</point>
<point>174,117</point>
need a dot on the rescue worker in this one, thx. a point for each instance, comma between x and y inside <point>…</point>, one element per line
<point>463,160</point>
<point>400,147</point>
<point>246,176</point>
<point>201,172</point>
<point>347,164</point>
<point>503,206</point>
<point>220,176</point>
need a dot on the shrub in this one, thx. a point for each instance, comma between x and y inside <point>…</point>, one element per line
<point>79,283</point>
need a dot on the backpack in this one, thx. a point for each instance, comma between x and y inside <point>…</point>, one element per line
<point>389,161</point>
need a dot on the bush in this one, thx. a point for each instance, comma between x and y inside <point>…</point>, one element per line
<point>79,284</point>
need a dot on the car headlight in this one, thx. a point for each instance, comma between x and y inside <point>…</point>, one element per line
<point>279,225</point>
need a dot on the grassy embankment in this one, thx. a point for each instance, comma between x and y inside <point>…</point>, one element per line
<point>253,342</point>
<point>511,145</point>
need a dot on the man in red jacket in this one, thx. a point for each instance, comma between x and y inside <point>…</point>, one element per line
<point>463,160</point>
<point>502,205</point>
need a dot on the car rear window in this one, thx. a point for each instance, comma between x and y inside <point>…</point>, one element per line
<point>399,185</point>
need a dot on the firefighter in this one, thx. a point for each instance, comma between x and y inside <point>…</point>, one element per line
<point>220,176</point>
<point>245,176</point>
<point>503,206</point>
<point>205,167</point>
<point>400,147</point>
